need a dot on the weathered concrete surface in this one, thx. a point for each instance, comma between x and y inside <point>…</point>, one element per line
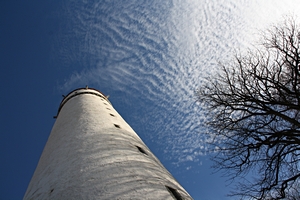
<point>87,156</point>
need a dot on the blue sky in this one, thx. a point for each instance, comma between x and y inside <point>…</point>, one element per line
<point>149,56</point>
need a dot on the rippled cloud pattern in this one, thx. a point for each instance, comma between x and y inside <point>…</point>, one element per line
<point>150,57</point>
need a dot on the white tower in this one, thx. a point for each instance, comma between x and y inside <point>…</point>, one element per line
<point>92,153</point>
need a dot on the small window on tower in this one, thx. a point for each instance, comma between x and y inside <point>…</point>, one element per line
<point>174,193</point>
<point>141,150</point>
<point>105,103</point>
<point>108,108</point>
<point>111,114</point>
<point>117,126</point>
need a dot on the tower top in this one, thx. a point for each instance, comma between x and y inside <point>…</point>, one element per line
<point>80,91</point>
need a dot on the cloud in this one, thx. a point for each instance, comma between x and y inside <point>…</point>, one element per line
<point>150,57</point>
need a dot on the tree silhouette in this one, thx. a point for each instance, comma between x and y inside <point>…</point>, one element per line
<point>253,109</point>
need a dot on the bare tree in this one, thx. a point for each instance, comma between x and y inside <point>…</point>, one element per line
<point>254,115</point>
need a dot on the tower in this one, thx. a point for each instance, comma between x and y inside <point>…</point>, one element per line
<point>92,153</point>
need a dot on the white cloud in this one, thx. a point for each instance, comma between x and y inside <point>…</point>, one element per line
<point>158,58</point>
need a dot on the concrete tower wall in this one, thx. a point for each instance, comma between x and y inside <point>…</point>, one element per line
<point>92,153</point>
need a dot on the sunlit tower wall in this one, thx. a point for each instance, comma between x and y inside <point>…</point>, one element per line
<point>92,153</point>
